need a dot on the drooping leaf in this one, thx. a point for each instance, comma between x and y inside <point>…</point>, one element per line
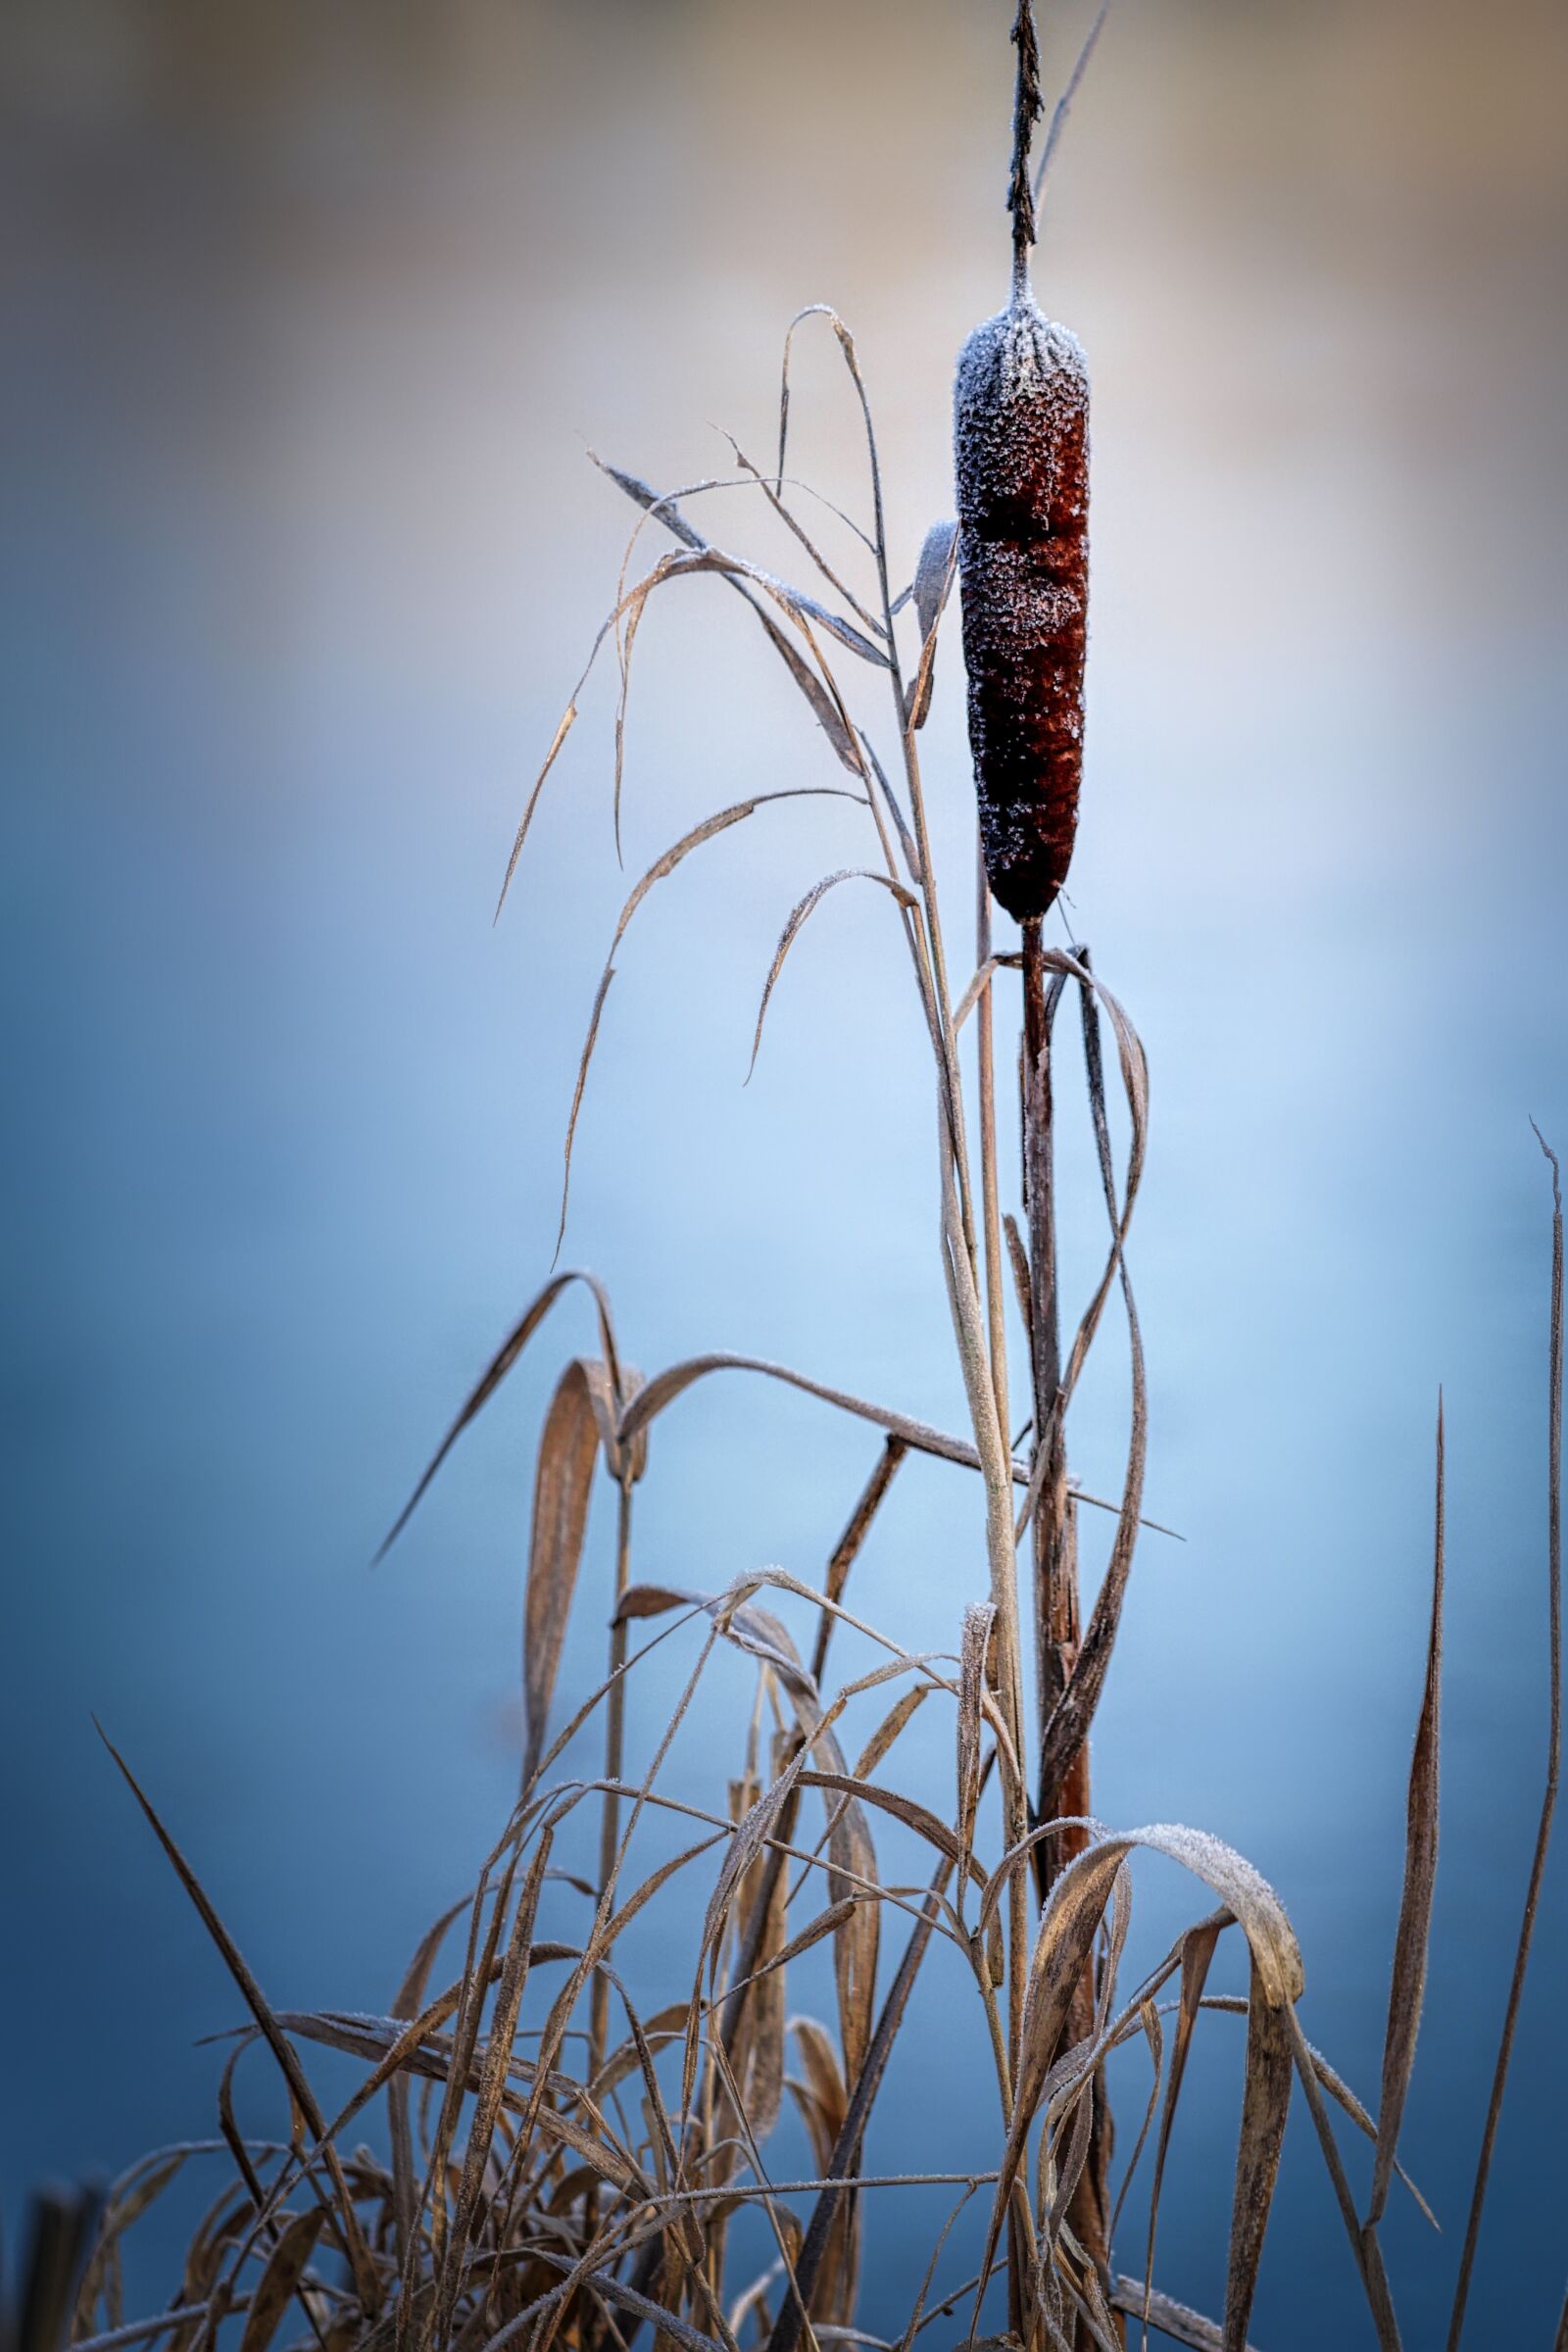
<point>495,1372</point>
<point>664,1389</point>
<point>798,916</point>
<point>1266,2101</point>
<point>563,1473</point>
<point>1072,1919</point>
<point>933,584</point>
<point>791,522</point>
<point>824,708</point>
<point>662,866</point>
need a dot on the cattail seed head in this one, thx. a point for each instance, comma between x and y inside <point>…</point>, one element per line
<point>1022,452</point>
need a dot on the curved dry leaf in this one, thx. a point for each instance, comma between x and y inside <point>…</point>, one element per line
<point>655,1601</point>
<point>761,2075</point>
<point>996,1883</point>
<point>852,1854</point>
<point>662,866</point>
<point>793,523</point>
<point>126,2202</point>
<point>1070,1725</point>
<point>826,1924</point>
<point>664,1389</point>
<point>824,708</point>
<point>433,2058</point>
<point>752,1833</point>
<point>229,2126</point>
<point>856,1940</point>
<point>1072,1918</point>
<point>568,720</point>
<point>918,1817</point>
<point>813,309</point>
<point>753,1630</point>
<point>563,1473</point>
<point>699,556</point>
<point>934,574</point>
<point>979,980</point>
<point>813,898</point>
<point>280,2278</point>
<point>825,2083</point>
<point>1266,2103</point>
<point>764,1637</point>
<point>1407,1985</point>
<point>624,2298</point>
<point>660,2135</point>
<point>804,610</point>
<point>933,585</point>
<point>753,1580</point>
<point>665,2026</point>
<point>889,1729</point>
<point>845,343</point>
<point>1155,2036</point>
<point>495,1372</point>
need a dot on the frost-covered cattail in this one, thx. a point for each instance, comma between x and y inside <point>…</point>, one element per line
<point>1021,453</point>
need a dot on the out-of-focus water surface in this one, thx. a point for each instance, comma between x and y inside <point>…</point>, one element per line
<point>308,317</point>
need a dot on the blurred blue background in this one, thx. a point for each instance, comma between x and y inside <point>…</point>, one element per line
<point>309,314</point>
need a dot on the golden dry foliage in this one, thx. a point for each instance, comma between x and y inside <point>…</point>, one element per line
<point>574,2156</point>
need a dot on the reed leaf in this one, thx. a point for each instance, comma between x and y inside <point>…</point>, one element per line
<point>1409,1974</point>
<point>280,2279</point>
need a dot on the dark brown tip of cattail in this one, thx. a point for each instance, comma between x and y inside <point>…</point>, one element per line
<point>1022,452</point>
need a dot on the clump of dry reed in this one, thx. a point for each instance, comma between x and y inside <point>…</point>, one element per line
<point>571,2158</point>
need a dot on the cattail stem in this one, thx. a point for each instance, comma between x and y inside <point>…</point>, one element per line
<point>614,1758</point>
<point>1054,1592</point>
<point>997,1333</point>
<point>990,1205</point>
<point>1055,1551</point>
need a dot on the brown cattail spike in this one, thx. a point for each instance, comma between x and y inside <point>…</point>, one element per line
<point>1021,450</point>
